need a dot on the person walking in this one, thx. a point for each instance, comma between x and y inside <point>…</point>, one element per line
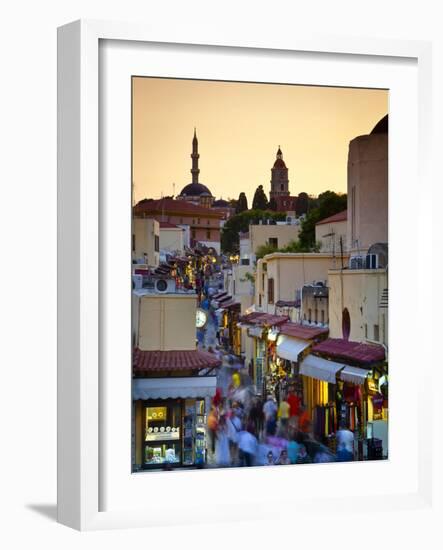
<point>247,446</point>
<point>222,454</point>
<point>270,413</point>
<point>283,417</point>
<point>345,444</point>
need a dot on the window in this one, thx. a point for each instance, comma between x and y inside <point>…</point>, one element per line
<point>270,291</point>
<point>263,282</point>
<point>209,222</point>
<point>281,187</point>
<point>366,330</point>
<point>316,315</point>
<point>208,234</point>
<point>244,261</point>
<point>157,243</point>
<point>376,333</point>
<point>309,315</point>
<point>193,233</point>
<point>273,241</point>
<point>198,221</point>
<point>322,316</point>
<point>133,242</point>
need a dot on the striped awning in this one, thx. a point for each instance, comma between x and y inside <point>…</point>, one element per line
<point>289,348</point>
<point>355,375</point>
<point>190,387</point>
<point>321,369</point>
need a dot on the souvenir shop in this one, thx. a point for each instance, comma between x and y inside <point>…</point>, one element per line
<point>285,353</point>
<point>335,393</point>
<point>169,421</point>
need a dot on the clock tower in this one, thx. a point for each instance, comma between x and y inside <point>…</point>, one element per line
<point>279,178</point>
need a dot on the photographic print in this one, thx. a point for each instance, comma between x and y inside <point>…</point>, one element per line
<point>259,274</point>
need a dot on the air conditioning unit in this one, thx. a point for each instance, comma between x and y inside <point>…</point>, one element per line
<point>371,261</point>
<point>137,281</point>
<point>357,262</point>
<point>164,286</point>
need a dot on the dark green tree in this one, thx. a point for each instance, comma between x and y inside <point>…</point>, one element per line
<point>242,203</point>
<point>327,204</point>
<point>302,203</point>
<point>260,201</point>
<point>272,205</point>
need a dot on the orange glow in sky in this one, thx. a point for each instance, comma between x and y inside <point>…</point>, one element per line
<point>239,128</point>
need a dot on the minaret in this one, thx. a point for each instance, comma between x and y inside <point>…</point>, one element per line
<point>279,177</point>
<point>195,156</point>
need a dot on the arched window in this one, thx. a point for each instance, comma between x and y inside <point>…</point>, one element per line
<point>346,324</point>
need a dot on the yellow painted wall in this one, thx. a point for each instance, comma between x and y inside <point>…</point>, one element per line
<point>144,231</point>
<point>360,292</point>
<point>260,234</point>
<point>332,243</point>
<point>167,322</point>
<point>290,272</point>
<point>172,239</point>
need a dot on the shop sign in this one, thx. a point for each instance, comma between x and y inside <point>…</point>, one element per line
<point>162,434</point>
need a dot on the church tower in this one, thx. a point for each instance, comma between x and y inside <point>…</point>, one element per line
<point>195,171</point>
<point>279,178</point>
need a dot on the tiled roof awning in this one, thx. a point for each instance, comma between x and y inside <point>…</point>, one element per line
<point>257,318</point>
<point>302,331</point>
<point>145,362</point>
<point>337,348</point>
<point>172,388</point>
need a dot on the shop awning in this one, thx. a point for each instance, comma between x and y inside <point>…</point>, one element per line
<point>354,375</point>
<point>289,348</point>
<point>172,388</point>
<point>319,368</point>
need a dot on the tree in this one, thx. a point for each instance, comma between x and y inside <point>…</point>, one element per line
<point>260,201</point>
<point>272,205</point>
<point>239,223</point>
<point>242,203</point>
<point>302,203</point>
<point>327,204</point>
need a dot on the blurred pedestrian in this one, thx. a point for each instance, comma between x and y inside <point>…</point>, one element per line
<point>222,454</point>
<point>294,408</point>
<point>270,413</point>
<point>283,417</point>
<point>293,448</point>
<point>345,444</point>
<point>247,446</point>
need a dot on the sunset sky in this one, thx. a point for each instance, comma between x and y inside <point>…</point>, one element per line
<point>239,128</point>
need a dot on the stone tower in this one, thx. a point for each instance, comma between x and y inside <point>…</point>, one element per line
<point>279,178</point>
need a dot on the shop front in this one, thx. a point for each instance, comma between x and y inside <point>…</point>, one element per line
<point>170,421</point>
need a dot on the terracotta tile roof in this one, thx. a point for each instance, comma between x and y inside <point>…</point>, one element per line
<point>167,225</point>
<point>340,217</point>
<point>302,331</point>
<point>261,319</point>
<point>172,206</point>
<point>145,362</point>
<point>337,348</point>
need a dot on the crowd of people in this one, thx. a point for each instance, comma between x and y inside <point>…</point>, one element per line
<point>246,430</point>
<point>253,432</point>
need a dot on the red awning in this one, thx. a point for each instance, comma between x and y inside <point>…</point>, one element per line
<point>304,332</point>
<point>145,362</point>
<point>263,319</point>
<point>338,348</point>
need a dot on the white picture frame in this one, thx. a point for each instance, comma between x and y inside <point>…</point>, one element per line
<point>84,211</point>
